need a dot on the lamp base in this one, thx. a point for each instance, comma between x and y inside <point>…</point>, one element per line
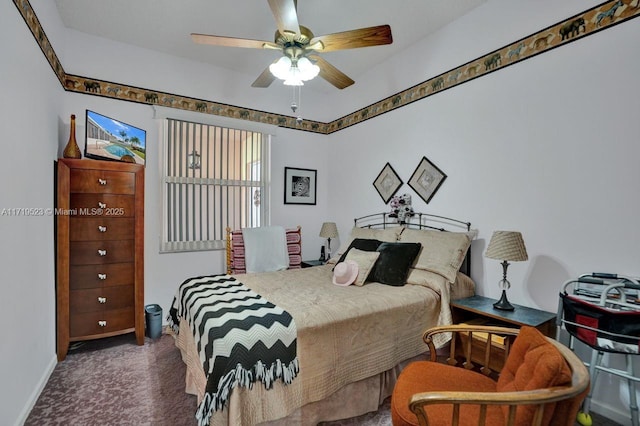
<point>503,304</point>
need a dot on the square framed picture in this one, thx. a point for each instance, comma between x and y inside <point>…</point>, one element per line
<point>300,186</point>
<point>387,183</point>
<point>426,179</point>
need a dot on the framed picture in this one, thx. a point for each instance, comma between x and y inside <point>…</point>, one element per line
<point>299,186</point>
<point>387,183</point>
<point>426,179</point>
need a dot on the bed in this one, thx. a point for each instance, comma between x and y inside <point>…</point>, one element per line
<point>352,341</point>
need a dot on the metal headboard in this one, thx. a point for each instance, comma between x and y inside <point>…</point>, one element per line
<point>418,221</point>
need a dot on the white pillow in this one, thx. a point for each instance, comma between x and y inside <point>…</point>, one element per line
<point>365,261</point>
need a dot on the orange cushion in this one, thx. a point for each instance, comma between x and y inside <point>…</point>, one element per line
<point>533,363</point>
<point>427,376</point>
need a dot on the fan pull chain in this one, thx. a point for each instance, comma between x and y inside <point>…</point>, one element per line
<point>295,106</point>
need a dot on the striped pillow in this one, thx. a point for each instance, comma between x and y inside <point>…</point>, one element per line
<point>294,247</point>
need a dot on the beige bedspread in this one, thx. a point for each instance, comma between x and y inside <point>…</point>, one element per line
<point>345,334</point>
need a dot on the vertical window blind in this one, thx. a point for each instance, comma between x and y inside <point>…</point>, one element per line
<point>213,178</point>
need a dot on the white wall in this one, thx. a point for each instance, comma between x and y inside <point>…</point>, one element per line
<point>548,147</point>
<point>31,124</point>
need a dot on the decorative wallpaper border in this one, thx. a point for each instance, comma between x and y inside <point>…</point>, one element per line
<point>574,28</point>
<point>75,83</point>
<point>589,22</point>
<point>30,18</point>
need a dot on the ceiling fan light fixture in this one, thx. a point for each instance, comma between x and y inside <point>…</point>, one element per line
<point>294,77</point>
<point>294,72</point>
<point>308,70</point>
<point>281,68</point>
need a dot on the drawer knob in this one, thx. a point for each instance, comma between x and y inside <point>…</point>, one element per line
<point>102,205</point>
<point>102,252</point>
<point>102,323</point>
<point>102,182</point>
<point>102,300</point>
<point>102,276</point>
<point>102,228</point>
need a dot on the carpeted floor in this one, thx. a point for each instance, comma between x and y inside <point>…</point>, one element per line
<point>113,381</point>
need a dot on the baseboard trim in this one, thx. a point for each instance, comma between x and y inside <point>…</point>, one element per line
<point>623,418</point>
<point>33,398</point>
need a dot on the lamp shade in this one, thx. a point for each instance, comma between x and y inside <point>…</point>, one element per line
<point>507,245</point>
<point>329,230</point>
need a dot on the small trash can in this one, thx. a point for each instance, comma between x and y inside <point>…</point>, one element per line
<point>153,317</point>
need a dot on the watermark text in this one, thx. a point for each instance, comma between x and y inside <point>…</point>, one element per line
<point>49,211</point>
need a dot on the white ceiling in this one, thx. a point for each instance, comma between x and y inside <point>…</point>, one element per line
<point>166,25</point>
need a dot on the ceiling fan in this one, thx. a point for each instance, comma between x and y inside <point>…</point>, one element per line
<point>297,42</point>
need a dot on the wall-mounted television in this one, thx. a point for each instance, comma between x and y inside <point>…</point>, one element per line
<point>111,139</point>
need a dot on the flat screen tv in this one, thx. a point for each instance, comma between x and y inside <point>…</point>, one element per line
<point>110,139</point>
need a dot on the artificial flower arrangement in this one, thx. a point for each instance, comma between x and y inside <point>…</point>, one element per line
<point>401,207</point>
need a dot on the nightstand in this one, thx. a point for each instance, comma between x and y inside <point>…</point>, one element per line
<point>479,308</point>
<point>310,263</point>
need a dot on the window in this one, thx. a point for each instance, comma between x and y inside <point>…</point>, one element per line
<point>213,177</point>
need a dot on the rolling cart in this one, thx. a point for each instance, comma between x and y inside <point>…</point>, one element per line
<point>603,311</point>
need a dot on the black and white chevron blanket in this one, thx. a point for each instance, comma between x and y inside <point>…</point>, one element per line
<point>241,337</point>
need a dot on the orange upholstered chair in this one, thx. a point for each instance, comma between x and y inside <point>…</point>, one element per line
<point>542,382</point>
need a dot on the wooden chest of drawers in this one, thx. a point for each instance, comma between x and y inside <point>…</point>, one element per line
<point>99,251</point>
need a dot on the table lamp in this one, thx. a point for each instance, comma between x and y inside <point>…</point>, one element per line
<point>506,246</point>
<point>329,230</point>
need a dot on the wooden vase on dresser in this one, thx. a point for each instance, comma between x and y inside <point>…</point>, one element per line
<point>99,251</point>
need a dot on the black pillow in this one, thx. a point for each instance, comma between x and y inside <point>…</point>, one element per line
<point>392,267</point>
<point>363,244</point>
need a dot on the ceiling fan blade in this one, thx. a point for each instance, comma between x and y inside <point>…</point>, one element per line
<point>265,79</point>
<point>363,37</point>
<point>233,42</point>
<point>286,15</point>
<point>332,74</point>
